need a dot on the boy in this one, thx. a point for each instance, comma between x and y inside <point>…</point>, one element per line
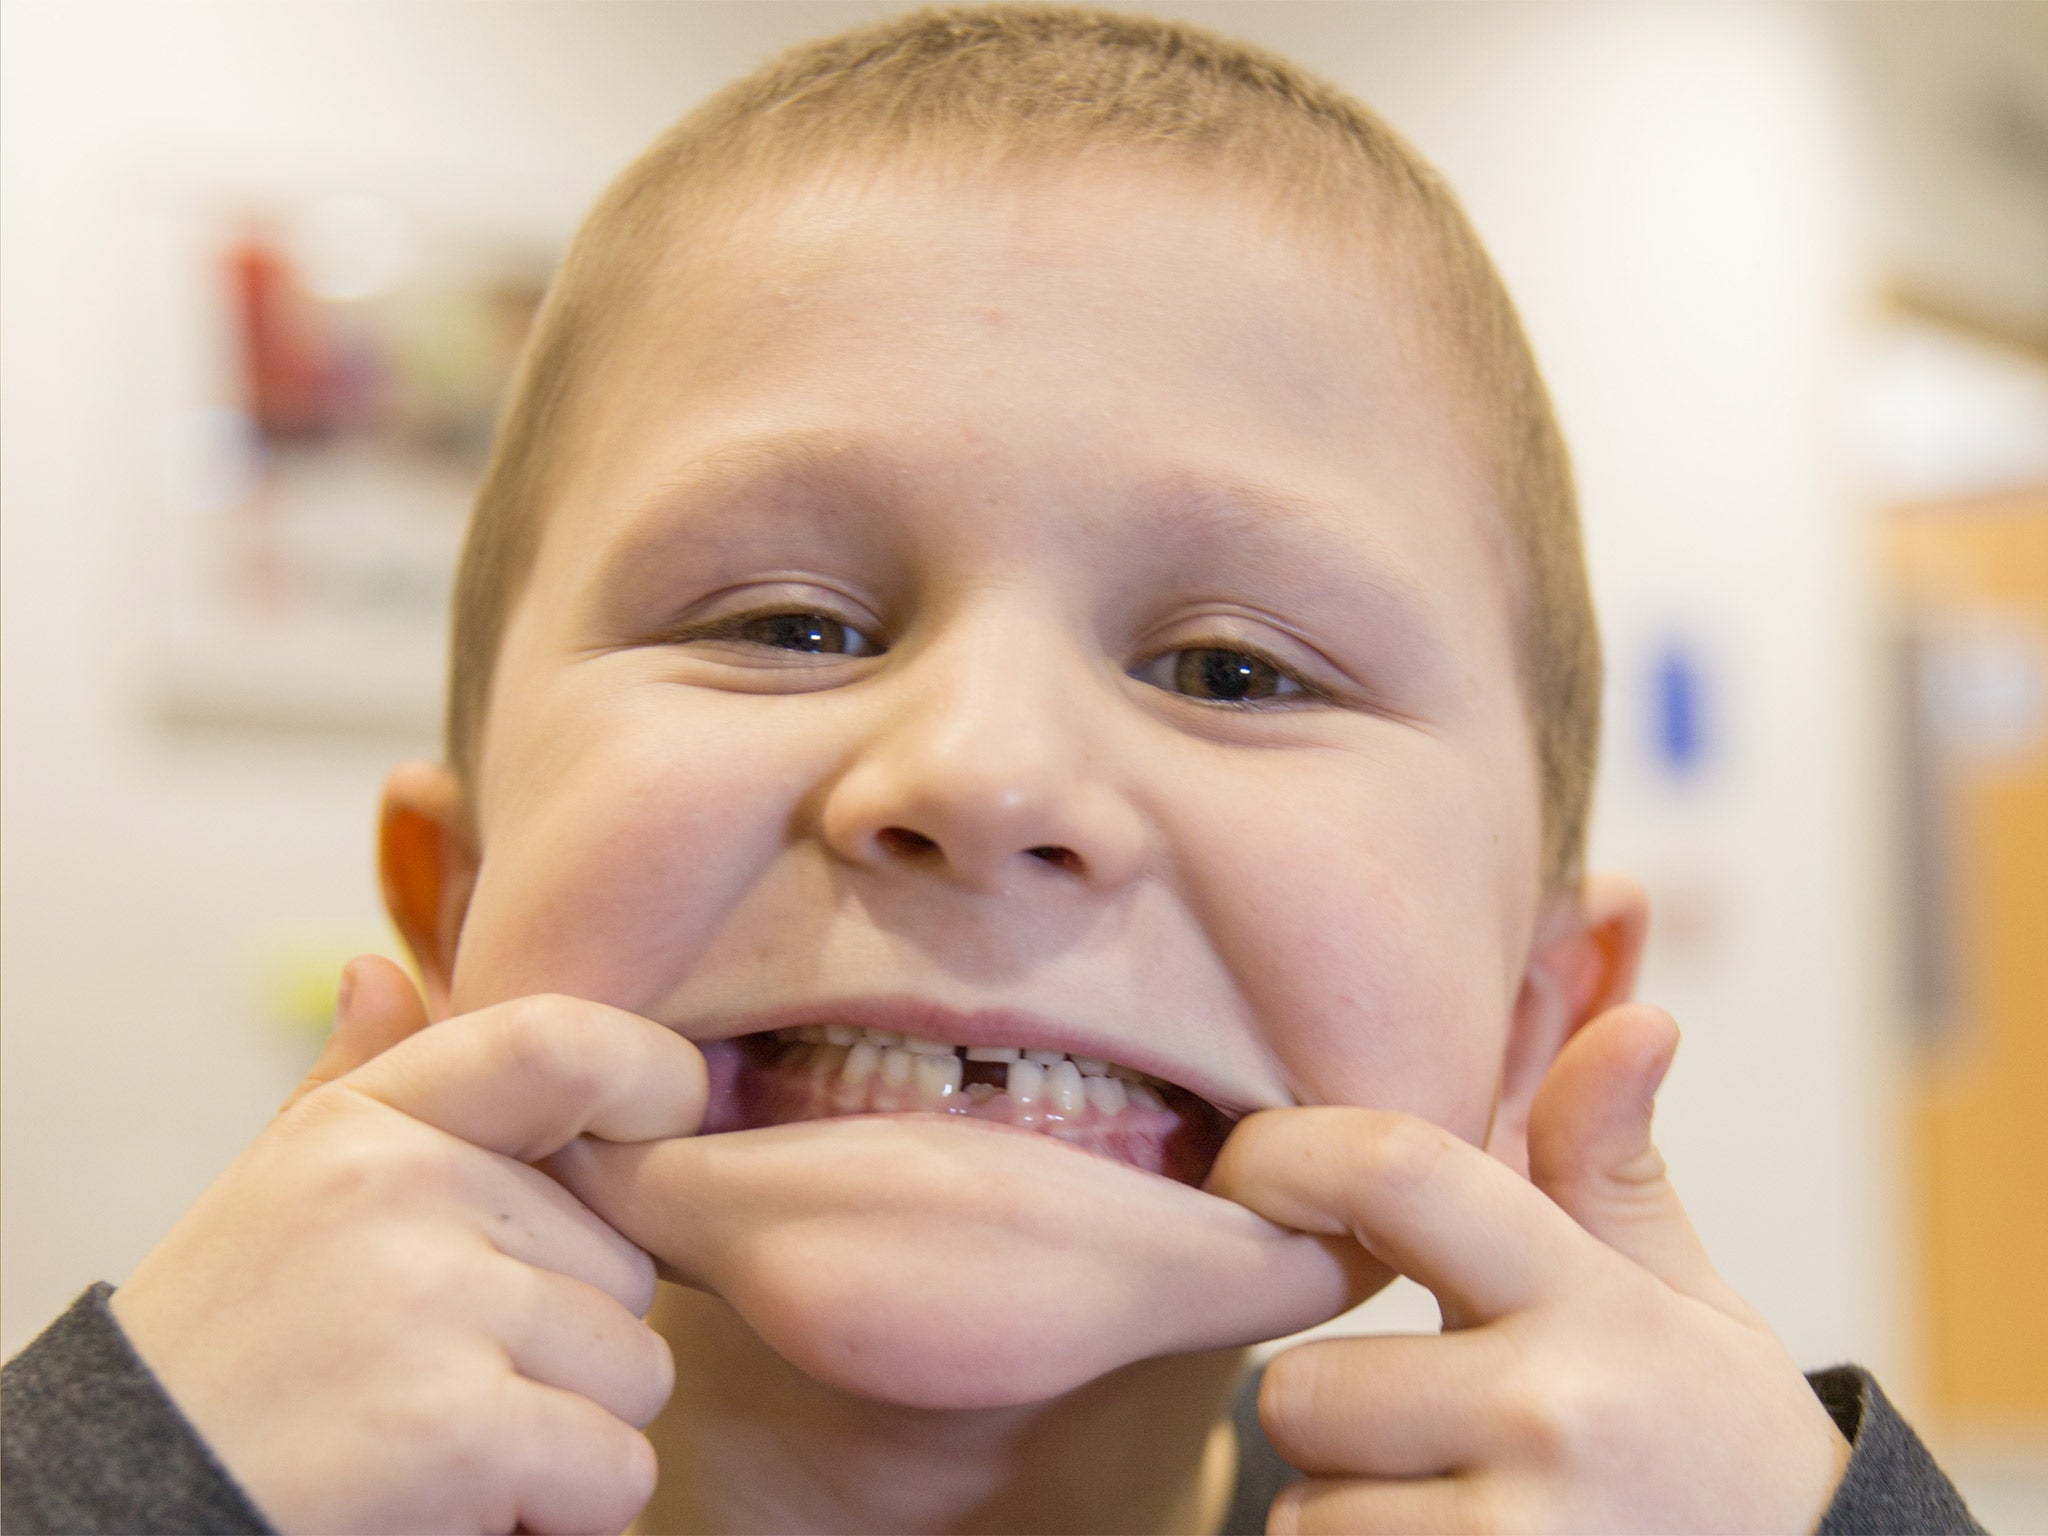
<point>1021,723</point>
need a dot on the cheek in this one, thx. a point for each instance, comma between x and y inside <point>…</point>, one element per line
<point>1371,932</point>
<point>615,842</point>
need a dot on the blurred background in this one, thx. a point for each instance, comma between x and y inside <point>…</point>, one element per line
<point>1786,266</point>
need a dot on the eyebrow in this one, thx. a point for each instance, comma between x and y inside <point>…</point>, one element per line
<point>1287,541</point>
<point>817,474</point>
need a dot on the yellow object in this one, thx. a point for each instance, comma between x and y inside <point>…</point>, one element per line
<point>296,978</point>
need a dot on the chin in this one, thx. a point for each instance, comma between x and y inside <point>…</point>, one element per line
<point>938,1261</point>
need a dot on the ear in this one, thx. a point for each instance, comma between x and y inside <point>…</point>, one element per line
<point>427,855</point>
<point>1581,963</point>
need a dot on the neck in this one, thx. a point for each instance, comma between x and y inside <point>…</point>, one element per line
<point>748,1443</point>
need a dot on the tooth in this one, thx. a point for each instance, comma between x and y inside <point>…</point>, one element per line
<point>938,1079</point>
<point>918,1047</point>
<point>896,1066</point>
<point>841,1034</point>
<point>1128,1074</point>
<point>861,1062</point>
<point>993,1053</point>
<point>1144,1096</point>
<point>1026,1082</point>
<point>825,1060</point>
<point>1063,1088</point>
<point>1106,1094</point>
<point>812,1034</point>
<point>882,1036</point>
<point>1090,1067</point>
<point>1046,1058</point>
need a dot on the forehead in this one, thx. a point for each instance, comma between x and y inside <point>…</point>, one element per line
<point>1102,338</point>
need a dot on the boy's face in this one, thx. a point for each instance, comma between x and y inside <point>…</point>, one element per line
<point>1066,614</point>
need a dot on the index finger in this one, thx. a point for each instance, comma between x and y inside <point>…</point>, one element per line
<point>1414,1196</point>
<point>527,1077</point>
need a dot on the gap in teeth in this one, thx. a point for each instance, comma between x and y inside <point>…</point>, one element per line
<point>935,1070</point>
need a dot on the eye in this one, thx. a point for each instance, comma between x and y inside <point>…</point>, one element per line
<point>817,633</point>
<point>1223,675</point>
<point>800,630</point>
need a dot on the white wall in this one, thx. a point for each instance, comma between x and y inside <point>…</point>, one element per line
<point>1667,189</point>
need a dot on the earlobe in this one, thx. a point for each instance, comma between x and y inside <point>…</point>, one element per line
<point>427,857</point>
<point>1582,962</point>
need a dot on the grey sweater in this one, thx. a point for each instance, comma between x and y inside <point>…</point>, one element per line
<point>90,1442</point>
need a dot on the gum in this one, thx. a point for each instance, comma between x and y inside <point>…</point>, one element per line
<point>752,1088</point>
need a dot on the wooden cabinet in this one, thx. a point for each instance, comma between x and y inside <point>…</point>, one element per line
<point>1970,587</point>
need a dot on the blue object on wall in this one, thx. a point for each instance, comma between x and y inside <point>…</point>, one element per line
<point>1678,709</point>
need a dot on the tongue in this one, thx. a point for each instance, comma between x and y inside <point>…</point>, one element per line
<point>1179,1140</point>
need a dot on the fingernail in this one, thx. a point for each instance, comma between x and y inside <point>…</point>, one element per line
<point>344,990</point>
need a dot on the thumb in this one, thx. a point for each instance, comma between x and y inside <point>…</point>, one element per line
<point>1590,1149</point>
<point>375,1007</point>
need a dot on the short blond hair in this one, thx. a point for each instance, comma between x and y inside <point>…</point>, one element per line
<point>1051,80</point>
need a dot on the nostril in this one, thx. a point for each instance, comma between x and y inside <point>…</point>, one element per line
<point>1062,858</point>
<point>904,841</point>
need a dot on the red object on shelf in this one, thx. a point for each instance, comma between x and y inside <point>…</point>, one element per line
<point>285,364</point>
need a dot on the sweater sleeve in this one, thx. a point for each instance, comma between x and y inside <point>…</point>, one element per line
<point>1891,1486</point>
<point>90,1441</point>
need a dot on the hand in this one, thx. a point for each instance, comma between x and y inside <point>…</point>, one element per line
<point>1594,1373</point>
<point>380,1318</point>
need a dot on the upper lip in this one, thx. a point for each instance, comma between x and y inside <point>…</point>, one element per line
<point>932,1020</point>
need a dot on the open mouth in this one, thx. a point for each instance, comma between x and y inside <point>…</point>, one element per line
<point>822,1071</point>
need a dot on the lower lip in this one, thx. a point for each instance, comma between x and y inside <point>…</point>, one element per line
<point>759,1081</point>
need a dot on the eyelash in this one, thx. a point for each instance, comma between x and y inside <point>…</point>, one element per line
<point>731,626</point>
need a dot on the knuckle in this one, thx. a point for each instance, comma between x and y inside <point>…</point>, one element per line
<point>638,1472</point>
<point>1402,1154</point>
<point>457,1418</point>
<point>1289,1397</point>
<point>412,1280</point>
<point>658,1375</point>
<point>377,1164</point>
<point>515,1297</point>
<point>640,1281</point>
<point>627,1481</point>
<point>1538,1424</point>
<point>553,1040</point>
<point>468,1426</point>
<point>1567,1420</point>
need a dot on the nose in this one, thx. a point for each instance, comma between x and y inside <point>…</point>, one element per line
<point>981,774</point>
